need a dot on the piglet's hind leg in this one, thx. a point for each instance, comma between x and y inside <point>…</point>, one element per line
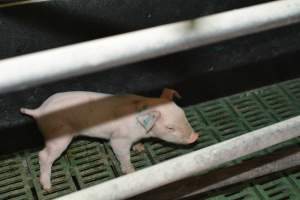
<point>53,149</point>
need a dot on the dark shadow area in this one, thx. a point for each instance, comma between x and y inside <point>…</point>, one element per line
<point>20,137</point>
<point>53,18</point>
<point>205,86</point>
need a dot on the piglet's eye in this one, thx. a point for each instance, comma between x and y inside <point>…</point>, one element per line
<point>170,128</point>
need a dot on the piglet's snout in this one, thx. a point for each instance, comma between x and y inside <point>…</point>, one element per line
<point>193,138</point>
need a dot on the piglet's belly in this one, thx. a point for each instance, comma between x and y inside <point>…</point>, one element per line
<point>97,131</point>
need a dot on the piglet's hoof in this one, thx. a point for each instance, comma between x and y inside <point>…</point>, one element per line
<point>138,147</point>
<point>46,185</point>
<point>128,170</point>
<point>48,189</point>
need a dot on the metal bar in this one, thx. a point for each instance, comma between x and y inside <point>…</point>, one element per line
<point>190,164</point>
<point>87,57</point>
<point>192,187</point>
<point>10,3</point>
<point>269,168</point>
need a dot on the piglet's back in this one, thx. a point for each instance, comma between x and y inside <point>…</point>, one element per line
<point>83,109</point>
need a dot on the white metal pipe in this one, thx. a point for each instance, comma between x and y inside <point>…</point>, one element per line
<point>78,59</point>
<point>268,168</point>
<point>190,164</point>
<point>19,2</point>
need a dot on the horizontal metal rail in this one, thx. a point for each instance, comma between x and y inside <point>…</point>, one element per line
<point>190,164</point>
<point>281,164</point>
<point>191,188</point>
<point>10,3</point>
<point>87,57</point>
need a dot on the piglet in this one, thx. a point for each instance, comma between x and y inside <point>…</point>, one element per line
<point>121,119</point>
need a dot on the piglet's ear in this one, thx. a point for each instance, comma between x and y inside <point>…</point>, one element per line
<point>169,94</point>
<point>148,119</point>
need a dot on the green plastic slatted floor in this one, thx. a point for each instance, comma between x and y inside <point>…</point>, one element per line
<point>90,162</point>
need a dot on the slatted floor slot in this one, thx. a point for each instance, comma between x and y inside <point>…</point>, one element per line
<point>247,193</point>
<point>294,175</point>
<point>140,160</point>
<point>288,144</point>
<point>253,115</point>
<point>61,179</point>
<point>250,110</point>
<point>89,162</point>
<point>221,119</point>
<point>280,106</point>
<point>161,151</point>
<point>277,103</point>
<point>193,117</point>
<point>277,188</point>
<point>13,180</point>
<point>292,88</point>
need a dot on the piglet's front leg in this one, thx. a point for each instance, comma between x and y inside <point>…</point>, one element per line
<point>139,147</point>
<point>121,148</point>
